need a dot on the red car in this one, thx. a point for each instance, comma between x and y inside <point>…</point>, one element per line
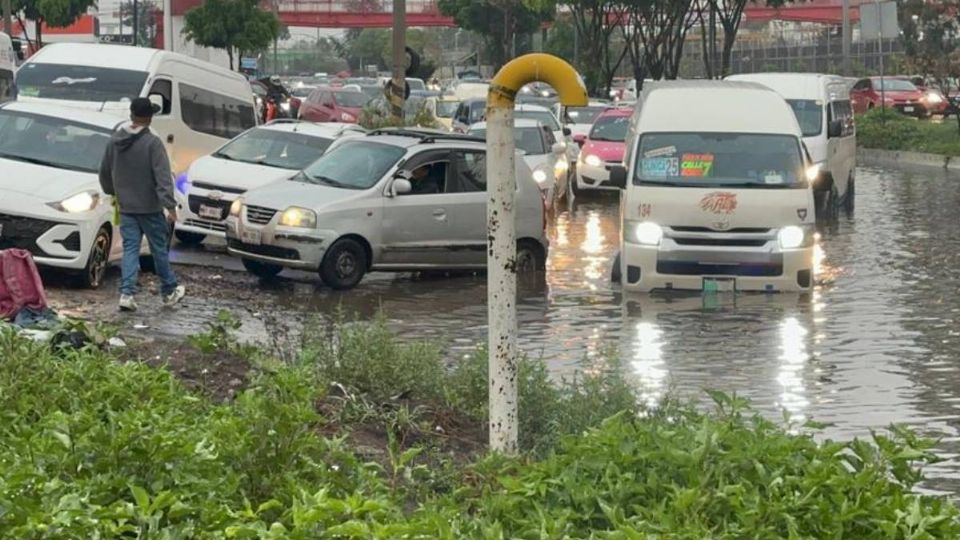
<point>333,105</point>
<point>899,94</point>
<point>937,103</point>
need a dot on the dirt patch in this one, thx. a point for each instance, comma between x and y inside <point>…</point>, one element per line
<point>220,375</point>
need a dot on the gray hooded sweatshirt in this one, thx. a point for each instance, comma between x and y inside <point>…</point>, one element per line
<point>135,169</point>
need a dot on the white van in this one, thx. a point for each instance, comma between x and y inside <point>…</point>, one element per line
<point>718,192</point>
<point>203,105</point>
<point>8,63</point>
<point>822,106</point>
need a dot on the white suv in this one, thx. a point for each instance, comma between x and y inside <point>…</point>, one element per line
<point>394,200</point>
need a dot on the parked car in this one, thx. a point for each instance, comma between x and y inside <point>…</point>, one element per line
<point>201,105</point>
<point>899,94</point>
<point>394,200</point>
<point>822,106</point>
<point>469,112</point>
<point>579,119</point>
<point>259,156</point>
<point>51,203</point>
<point>935,100</point>
<point>333,105</point>
<point>541,151</point>
<point>543,115</point>
<point>603,149</point>
<point>718,194</point>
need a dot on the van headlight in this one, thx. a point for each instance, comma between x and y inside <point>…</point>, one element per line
<point>236,206</point>
<point>791,237</point>
<point>645,233</point>
<point>298,217</point>
<point>81,202</point>
<point>540,176</point>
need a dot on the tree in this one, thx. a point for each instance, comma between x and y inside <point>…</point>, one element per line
<point>56,13</point>
<point>729,13</point>
<point>236,26</point>
<point>498,21</point>
<point>655,31</point>
<point>147,16</point>
<point>931,41</point>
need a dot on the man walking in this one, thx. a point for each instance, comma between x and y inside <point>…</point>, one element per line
<point>135,169</point>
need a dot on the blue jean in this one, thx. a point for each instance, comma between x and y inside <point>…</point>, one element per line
<point>133,227</point>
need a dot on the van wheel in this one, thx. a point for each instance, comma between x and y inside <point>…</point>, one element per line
<point>189,238</point>
<point>849,199</point>
<point>827,204</point>
<point>530,258</point>
<point>91,277</point>
<point>344,264</point>
<point>615,273</point>
<point>262,270</point>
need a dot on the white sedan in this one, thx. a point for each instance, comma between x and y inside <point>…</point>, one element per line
<point>255,158</point>
<point>50,199</point>
<point>545,156</point>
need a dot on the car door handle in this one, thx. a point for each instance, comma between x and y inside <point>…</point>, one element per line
<point>440,214</point>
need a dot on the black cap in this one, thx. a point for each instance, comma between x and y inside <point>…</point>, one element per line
<point>143,108</point>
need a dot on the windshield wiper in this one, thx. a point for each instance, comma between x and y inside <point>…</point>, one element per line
<point>224,156</point>
<point>303,176</point>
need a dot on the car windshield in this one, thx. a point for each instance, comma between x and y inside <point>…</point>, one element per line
<point>529,140</point>
<point>719,160</point>
<point>584,115</point>
<point>893,85</point>
<point>350,99</point>
<point>610,128</point>
<point>79,83</point>
<point>353,165</point>
<point>51,141</point>
<point>275,148</point>
<point>545,117</point>
<point>445,109</point>
<point>809,115</point>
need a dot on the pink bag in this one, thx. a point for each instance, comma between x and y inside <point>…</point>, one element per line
<point>20,283</point>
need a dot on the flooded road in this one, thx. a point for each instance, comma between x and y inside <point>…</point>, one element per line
<point>876,343</point>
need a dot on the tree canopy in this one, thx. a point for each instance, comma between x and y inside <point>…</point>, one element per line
<point>498,21</point>
<point>235,26</point>
<point>57,13</point>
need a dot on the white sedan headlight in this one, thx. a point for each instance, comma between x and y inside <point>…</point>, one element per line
<point>593,161</point>
<point>646,233</point>
<point>81,202</point>
<point>298,217</point>
<point>540,176</point>
<point>791,237</point>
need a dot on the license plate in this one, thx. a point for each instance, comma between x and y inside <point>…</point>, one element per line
<point>712,285</point>
<point>908,109</point>
<point>249,236</point>
<point>210,212</point>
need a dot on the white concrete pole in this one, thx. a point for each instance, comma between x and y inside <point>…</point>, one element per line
<point>168,25</point>
<point>502,279</point>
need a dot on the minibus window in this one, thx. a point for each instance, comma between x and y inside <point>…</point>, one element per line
<point>720,159</point>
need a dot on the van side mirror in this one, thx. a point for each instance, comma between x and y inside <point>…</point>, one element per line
<point>401,186</point>
<point>566,132</point>
<point>157,101</point>
<point>618,177</point>
<point>835,129</point>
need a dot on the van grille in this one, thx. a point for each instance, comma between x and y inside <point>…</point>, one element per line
<point>259,215</point>
<point>733,242</point>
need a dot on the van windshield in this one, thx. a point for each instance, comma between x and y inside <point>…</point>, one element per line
<point>809,115</point>
<point>719,159</point>
<point>79,83</point>
<point>352,165</point>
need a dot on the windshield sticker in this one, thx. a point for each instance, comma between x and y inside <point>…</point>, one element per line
<point>659,167</point>
<point>719,202</point>
<point>660,152</point>
<point>772,177</point>
<point>696,165</point>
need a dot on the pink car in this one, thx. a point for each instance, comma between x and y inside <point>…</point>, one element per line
<point>603,148</point>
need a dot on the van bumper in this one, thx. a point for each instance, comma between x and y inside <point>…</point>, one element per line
<point>648,268</point>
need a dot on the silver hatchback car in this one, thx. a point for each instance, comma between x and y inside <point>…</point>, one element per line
<point>394,200</point>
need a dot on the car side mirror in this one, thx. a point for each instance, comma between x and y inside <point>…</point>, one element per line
<point>559,148</point>
<point>401,186</point>
<point>566,132</point>
<point>618,177</point>
<point>835,129</point>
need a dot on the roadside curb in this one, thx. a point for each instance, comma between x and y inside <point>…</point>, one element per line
<point>903,157</point>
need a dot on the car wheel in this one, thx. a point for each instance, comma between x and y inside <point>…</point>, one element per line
<point>530,258</point>
<point>190,238</point>
<point>615,273</point>
<point>262,270</point>
<point>827,204</point>
<point>92,274</point>
<point>344,264</point>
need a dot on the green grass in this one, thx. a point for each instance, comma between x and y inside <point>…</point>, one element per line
<point>94,448</point>
<point>889,130</point>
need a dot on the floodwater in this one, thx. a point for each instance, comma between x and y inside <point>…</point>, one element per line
<point>876,343</point>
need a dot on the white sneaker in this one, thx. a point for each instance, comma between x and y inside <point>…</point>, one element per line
<point>127,303</point>
<point>176,296</point>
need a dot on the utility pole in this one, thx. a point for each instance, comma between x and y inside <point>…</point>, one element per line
<point>397,93</point>
<point>712,49</point>
<point>136,26</point>
<point>8,17</point>
<point>168,25</point>
<point>846,38</point>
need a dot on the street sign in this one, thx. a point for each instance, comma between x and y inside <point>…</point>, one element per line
<point>117,39</point>
<point>878,20</point>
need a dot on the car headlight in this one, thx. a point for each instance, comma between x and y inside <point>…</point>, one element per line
<point>791,237</point>
<point>540,176</point>
<point>934,97</point>
<point>646,233</point>
<point>298,217</point>
<point>347,117</point>
<point>813,171</point>
<point>285,106</point>
<point>235,207</point>
<point>81,202</point>
<point>593,161</point>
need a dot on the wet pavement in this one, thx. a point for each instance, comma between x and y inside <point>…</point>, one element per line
<point>876,343</point>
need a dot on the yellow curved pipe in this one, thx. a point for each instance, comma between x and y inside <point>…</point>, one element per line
<point>536,67</point>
